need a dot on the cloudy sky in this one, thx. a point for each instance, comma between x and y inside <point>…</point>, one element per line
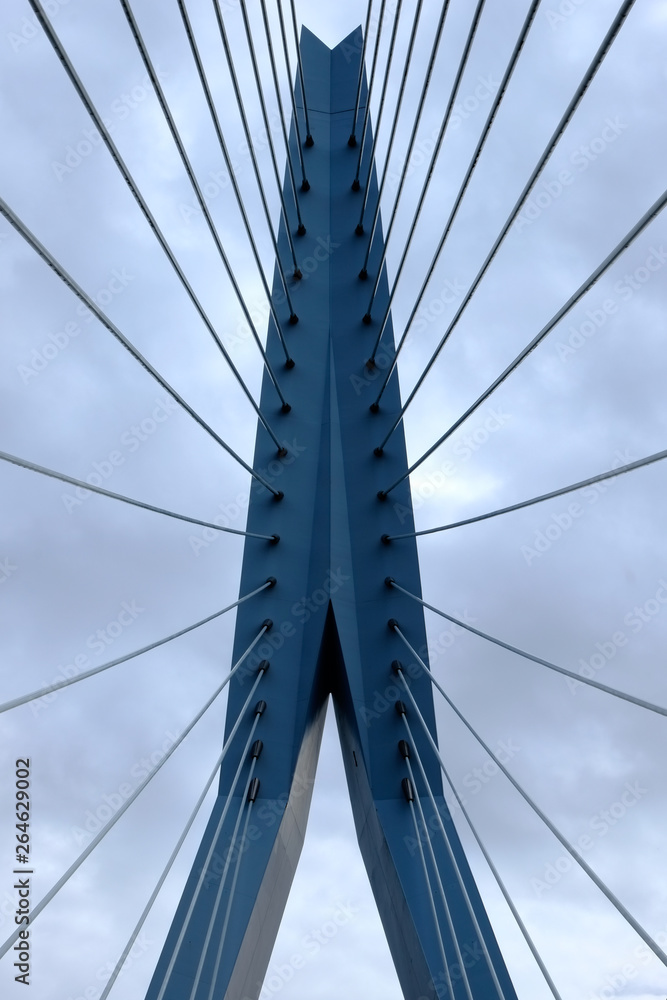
<point>584,586</point>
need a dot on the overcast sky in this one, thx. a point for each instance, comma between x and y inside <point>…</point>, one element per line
<point>584,586</point>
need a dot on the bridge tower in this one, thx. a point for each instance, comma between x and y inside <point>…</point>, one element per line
<point>328,628</point>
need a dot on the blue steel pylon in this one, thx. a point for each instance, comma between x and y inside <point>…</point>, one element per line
<point>329,610</point>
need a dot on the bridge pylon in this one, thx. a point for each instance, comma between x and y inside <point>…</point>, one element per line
<point>327,627</point>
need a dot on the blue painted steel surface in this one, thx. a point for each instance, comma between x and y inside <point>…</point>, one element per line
<point>330,610</point>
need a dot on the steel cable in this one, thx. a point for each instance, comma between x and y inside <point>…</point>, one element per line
<point>55,266</point>
<point>551,145</point>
